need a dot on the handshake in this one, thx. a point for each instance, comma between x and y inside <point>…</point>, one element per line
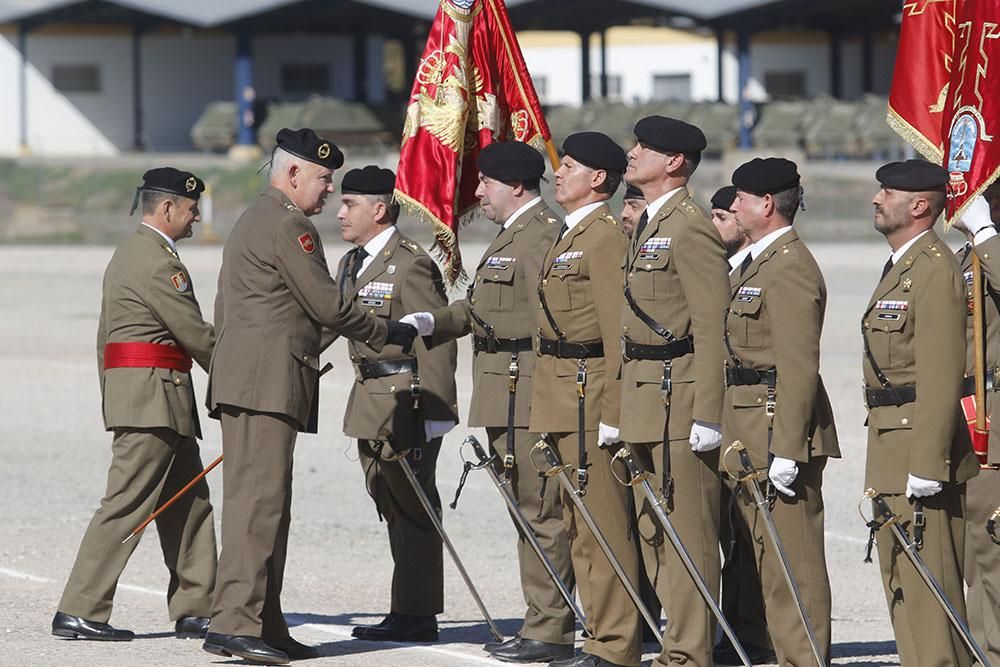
<point>404,331</point>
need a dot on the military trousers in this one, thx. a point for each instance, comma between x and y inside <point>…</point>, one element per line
<point>256,513</point>
<point>148,466</point>
<point>799,523</point>
<point>982,563</point>
<point>690,631</point>
<point>742,602</point>
<point>548,618</point>
<point>924,636</point>
<point>610,611</point>
<point>416,547</point>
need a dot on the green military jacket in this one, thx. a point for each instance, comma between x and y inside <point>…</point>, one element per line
<point>275,296</point>
<point>581,281</point>
<point>775,320</point>
<point>148,297</point>
<point>504,294</point>
<point>676,270</point>
<point>914,327</point>
<point>400,280</point>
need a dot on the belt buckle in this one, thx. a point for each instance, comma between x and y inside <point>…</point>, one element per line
<point>415,390</point>
<point>666,386</point>
<point>508,461</point>
<point>625,356</point>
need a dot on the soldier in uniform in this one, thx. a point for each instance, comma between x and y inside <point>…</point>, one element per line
<point>775,400</point>
<point>671,324</point>
<point>150,330</point>
<point>633,204</point>
<point>399,402</point>
<point>982,567</point>
<point>919,451</point>
<point>576,381</point>
<point>275,297</point>
<point>499,312</point>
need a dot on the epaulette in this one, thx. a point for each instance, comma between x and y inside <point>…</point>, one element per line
<point>411,246</point>
<point>933,249</point>
<point>170,251</point>
<point>610,219</point>
<point>291,207</point>
<point>689,208</point>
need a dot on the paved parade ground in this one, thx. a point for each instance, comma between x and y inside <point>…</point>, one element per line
<point>54,455</point>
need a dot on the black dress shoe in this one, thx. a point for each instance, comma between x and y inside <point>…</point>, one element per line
<point>725,654</point>
<point>400,628</point>
<point>489,647</point>
<point>583,660</point>
<point>531,650</point>
<point>64,625</point>
<point>249,648</point>
<point>191,627</point>
<point>293,649</point>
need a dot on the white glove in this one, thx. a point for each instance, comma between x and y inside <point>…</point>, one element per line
<point>782,474</point>
<point>918,487</point>
<point>607,435</point>
<point>437,429</point>
<point>705,436</point>
<point>976,222</point>
<point>422,322</point>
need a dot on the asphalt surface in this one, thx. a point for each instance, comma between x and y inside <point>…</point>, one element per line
<point>54,455</point>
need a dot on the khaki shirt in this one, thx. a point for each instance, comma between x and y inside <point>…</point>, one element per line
<point>148,297</point>
<point>775,320</point>
<point>400,280</point>
<point>504,295</point>
<point>275,296</point>
<point>677,273</point>
<point>581,280</point>
<point>914,326</point>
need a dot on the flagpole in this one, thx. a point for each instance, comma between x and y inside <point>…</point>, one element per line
<point>981,434</point>
<point>553,155</point>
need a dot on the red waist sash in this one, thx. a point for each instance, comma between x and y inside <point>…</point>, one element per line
<point>146,355</point>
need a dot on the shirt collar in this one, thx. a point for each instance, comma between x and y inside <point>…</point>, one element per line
<point>521,210</point>
<point>169,240</point>
<point>761,245</point>
<point>898,255</point>
<point>574,218</point>
<point>379,241</point>
<point>654,207</point>
<point>737,257</point>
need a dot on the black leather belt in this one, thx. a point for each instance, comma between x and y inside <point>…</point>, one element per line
<point>741,375</point>
<point>896,396</point>
<point>381,369</point>
<point>566,350</point>
<point>969,384</point>
<point>664,352</point>
<point>492,345</point>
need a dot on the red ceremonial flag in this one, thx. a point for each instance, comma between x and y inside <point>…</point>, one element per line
<point>971,120</point>
<point>472,88</point>
<point>921,74</point>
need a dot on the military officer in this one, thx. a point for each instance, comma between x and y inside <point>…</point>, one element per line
<point>275,296</point>
<point>675,293</point>
<point>150,330</point>
<point>399,402</point>
<point>633,204</point>
<point>919,450</point>
<point>982,567</point>
<point>499,311</point>
<point>576,381</point>
<point>775,400</point>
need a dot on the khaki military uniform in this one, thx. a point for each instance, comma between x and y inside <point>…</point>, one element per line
<point>275,296</point>
<point>504,295</point>
<point>676,274</point>
<point>774,322</point>
<point>914,329</point>
<point>148,298</point>
<point>402,279</point>
<point>982,565</point>
<point>581,285</point>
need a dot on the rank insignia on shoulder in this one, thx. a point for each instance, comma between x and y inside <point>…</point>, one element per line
<point>180,281</point>
<point>656,243</point>
<point>892,305</point>
<point>307,243</point>
<point>290,207</point>
<point>567,256</point>
<point>376,290</point>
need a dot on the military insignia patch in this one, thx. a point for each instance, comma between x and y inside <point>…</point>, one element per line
<point>656,243</point>
<point>892,305</point>
<point>180,281</point>
<point>391,269</point>
<point>376,290</point>
<point>190,184</point>
<point>307,243</point>
<point>323,152</point>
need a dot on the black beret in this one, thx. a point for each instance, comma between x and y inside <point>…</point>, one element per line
<point>307,145</point>
<point>724,197</point>
<point>595,150</point>
<point>171,181</point>
<point>669,135</point>
<point>763,176</point>
<point>913,176</point>
<point>371,180</point>
<point>632,192</point>
<point>511,162</point>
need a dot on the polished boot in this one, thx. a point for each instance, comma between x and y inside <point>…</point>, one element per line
<point>725,653</point>
<point>64,625</point>
<point>293,649</point>
<point>583,660</point>
<point>400,628</point>
<point>489,647</point>
<point>191,627</point>
<point>249,648</point>
<point>531,650</point>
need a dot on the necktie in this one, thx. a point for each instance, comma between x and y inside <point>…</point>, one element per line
<point>886,269</point>
<point>562,231</point>
<point>359,258</point>
<point>745,264</point>
<point>501,231</point>
<point>643,219</point>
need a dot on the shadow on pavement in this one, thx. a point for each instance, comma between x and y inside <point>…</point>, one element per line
<point>451,631</point>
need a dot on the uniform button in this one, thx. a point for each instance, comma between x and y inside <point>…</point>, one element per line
<point>392,387</point>
<point>649,266</point>
<point>947,462</point>
<point>631,274</point>
<point>545,281</point>
<point>177,380</point>
<point>886,328</point>
<point>473,302</point>
<point>904,421</point>
<point>305,358</point>
<point>760,400</point>
<point>866,325</point>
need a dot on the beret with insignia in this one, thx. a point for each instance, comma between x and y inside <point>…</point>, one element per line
<point>764,176</point>
<point>511,162</point>
<point>595,150</point>
<point>724,197</point>
<point>307,145</point>
<point>370,180</point>
<point>632,192</point>
<point>171,181</point>
<point>913,176</point>
<point>669,135</point>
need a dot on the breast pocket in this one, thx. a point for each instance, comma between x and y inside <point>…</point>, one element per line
<point>650,279</point>
<point>496,288</point>
<point>561,286</point>
<point>888,345</point>
<point>744,323</point>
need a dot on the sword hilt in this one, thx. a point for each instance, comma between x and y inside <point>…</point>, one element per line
<point>746,465</point>
<point>551,458</point>
<point>636,475</point>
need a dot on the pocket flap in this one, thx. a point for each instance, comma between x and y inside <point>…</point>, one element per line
<point>497,274</point>
<point>306,353</point>
<point>892,416</point>
<point>888,320</point>
<point>563,269</point>
<point>748,396</point>
<point>653,260</point>
<point>748,308</point>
